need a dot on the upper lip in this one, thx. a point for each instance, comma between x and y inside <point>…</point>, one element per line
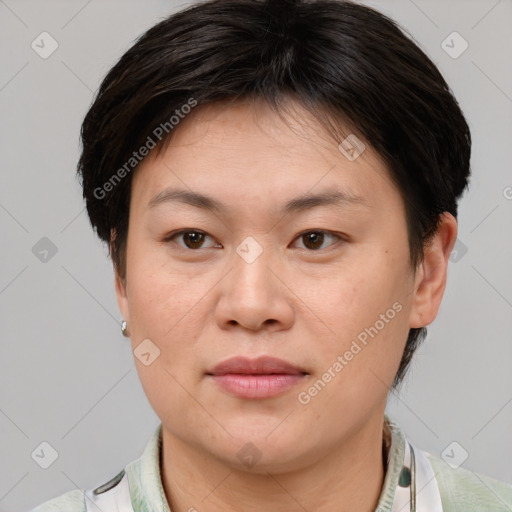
<point>263,365</point>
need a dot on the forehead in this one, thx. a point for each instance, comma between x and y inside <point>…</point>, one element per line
<point>237,152</point>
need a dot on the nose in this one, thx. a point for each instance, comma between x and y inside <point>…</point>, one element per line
<point>255,295</point>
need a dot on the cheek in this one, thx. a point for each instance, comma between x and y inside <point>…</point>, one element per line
<point>162,301</point>
<point>352,297</point>
<point>365,307</point>
<point>165,307</point>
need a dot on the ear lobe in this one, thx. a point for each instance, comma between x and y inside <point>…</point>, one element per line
<point>431,276</point>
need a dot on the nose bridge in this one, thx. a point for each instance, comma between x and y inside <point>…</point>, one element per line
<point>251,267</point>
<point>254,296</point>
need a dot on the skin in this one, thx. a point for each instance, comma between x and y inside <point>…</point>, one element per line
<point>200,306</point>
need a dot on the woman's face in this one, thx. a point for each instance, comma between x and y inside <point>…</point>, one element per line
<point>324,286</point>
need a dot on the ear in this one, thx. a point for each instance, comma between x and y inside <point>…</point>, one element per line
<point>431,274</point>
<point>120,287</point>
<point>122,299</point>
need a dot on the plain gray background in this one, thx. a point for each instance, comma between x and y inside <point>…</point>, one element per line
<point>67,375</point>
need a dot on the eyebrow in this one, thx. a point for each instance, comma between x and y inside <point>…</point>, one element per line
<point>330,197</point>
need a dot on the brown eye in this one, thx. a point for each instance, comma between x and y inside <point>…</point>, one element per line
<point>314,240</point>
<point>192,239</point>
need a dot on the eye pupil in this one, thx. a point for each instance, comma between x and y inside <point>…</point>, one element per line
<point>194,237</point>
<point>315,238</point>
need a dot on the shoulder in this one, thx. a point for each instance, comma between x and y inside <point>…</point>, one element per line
<point>463,490</point>
<point>72,501</point>
<point>140,478</point>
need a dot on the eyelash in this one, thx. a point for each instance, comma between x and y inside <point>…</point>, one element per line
<point>175,234</point>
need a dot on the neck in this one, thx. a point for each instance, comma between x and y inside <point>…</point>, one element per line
<point>349,478</point>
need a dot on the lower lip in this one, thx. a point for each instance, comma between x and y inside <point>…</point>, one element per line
<point>257,386</point>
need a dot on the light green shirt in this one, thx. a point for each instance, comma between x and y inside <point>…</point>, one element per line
<point>461,490</point>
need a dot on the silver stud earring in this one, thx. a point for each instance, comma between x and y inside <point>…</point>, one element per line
<point>124,328</point>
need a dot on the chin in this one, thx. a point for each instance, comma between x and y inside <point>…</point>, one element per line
<point>260,450</point>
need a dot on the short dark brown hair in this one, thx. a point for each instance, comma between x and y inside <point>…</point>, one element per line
<point>339,59</point>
